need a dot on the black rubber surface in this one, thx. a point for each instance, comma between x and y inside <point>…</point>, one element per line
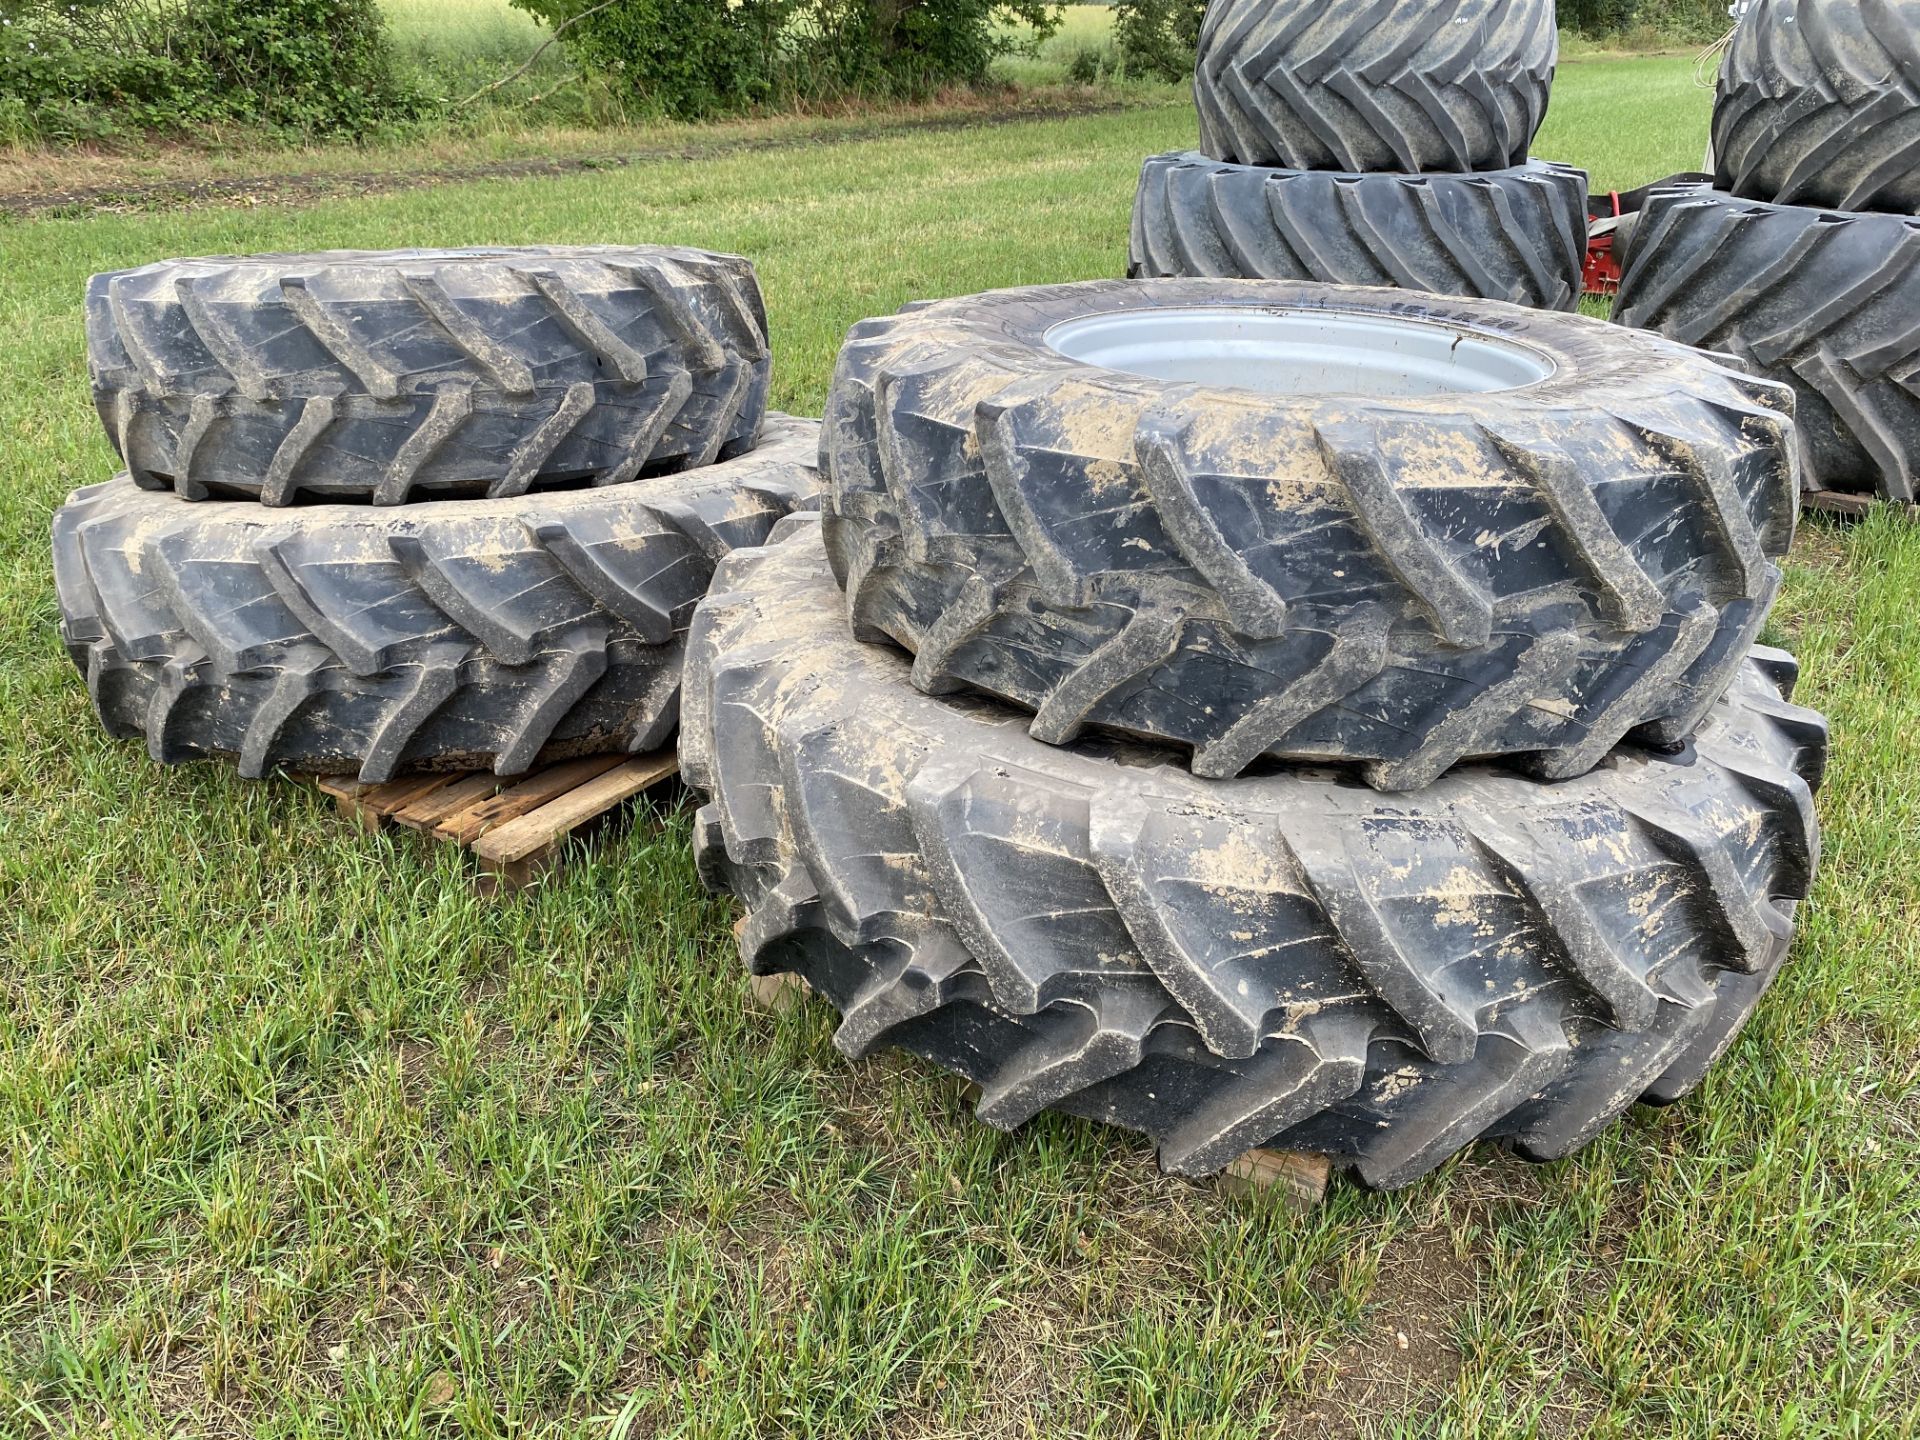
<point>1289,959</point>
<point>1819,104</point>
<point>460,634</point>
<point>1374,85</point>
<point>1404,582</point>
<point>1826,301</point>
<point>420,374</point>
<point>1518,235</point>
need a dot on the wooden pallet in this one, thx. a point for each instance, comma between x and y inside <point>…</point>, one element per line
<point>1296,1179</point>
<point>1852,507</point>
<point>515,828</point>
<point>778,993</point>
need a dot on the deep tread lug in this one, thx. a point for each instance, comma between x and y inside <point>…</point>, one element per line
<point>1401,584</point>
<point>1282,959</point>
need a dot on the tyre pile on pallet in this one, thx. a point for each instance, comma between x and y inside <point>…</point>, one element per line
<point>1251,712</point>
<point>1254,713</point>
<point>416,510</point>
<point>1802,257</point>
<point>1383,143</point>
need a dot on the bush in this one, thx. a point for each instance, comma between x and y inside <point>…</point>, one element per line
<point>1158,38</point>
<point>913,47</point>
<point>82,69</point>
<point>1090,63</point>
<point>1675,19</point>
<point>684,58</point>
<point>694,58</point>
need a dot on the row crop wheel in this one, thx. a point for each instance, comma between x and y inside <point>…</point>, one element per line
<point>1286,958</point>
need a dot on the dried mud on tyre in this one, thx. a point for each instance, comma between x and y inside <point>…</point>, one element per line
<point>460,634</point>
<point>1289,958</point>
<point>391,376</point>
<point>1171,509</point>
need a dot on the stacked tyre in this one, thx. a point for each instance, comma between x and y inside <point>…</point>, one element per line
<point>418,509</point>
<point>1370,144</point>
<point>1262,713</point>
<point>1802,257</point>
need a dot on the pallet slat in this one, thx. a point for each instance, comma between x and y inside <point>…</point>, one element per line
<point>384,800</point>
<point>520,838</point>
<point>515,829</point>
<point>373,805</point>
<point>778,993</point>
<point>463,827</point>
<point>1853,507</point>
<point>341,788</point>
<point>1298,1179</point>
<point>430,809</point>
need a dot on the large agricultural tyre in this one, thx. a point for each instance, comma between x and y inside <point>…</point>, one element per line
<point>392,376</point>
<point>1287,959</point>
<point>1374,85</point>
<point>458,634</point>
<point>1819,104</point>
<point>1822,300</point>
<point>1266,519</point>
<point>1517,235</point>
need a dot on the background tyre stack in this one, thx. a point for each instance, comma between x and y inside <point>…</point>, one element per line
<point>1803,256</point>
<point>419,509</point>
<point>1257,713</point>
<point>1375,143</point>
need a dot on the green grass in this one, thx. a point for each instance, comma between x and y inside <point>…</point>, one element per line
<point>452,48</point>
<point>301,1139</point>
<point>1627,120</point>
<point>1082,27</point>
<point>490,28</point>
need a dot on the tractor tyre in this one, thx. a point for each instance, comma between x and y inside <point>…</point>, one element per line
<point>1374,85</point>
<point>1819,104</point>
<point>1517,235</point>
<point>1288,960</point>
<point>1821,300</point>
<point>460,634</point>
<point>426,374</point>
<point>1264,519</point>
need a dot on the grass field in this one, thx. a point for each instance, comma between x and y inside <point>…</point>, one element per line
<point>457,46</point>
<point>302,1139</point>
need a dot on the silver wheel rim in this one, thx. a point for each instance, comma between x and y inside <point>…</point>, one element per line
<point>1281,351</point>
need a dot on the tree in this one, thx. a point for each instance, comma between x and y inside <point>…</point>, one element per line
<point>689,58</point>
<point>1158,38</point>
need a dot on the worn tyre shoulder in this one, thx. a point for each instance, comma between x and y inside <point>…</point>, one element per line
<point>1517,234</point>
<point>1821,300</point>
<point>491,634</point>
<point>1819,104</point>
<point>1402,582</point>
<point>1289,959</point>
<point>393,376</point>
<point>1376,85</point>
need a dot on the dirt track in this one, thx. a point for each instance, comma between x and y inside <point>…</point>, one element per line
<point>297,188</point>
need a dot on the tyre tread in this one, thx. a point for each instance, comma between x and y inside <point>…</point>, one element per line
<point>1515,234</point>
<point>1076,541</point>
<point>361,377</point>
<point>1453,85</point>
<point>463,634</point>
<point>1818,299</point>
<point>1307,994</point>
